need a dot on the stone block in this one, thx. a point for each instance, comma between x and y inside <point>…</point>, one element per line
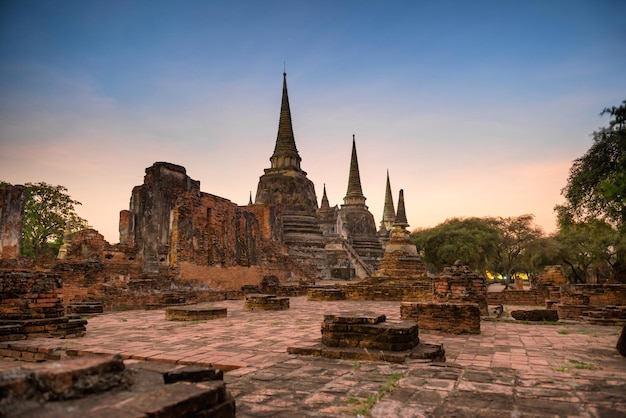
<point>260,302</point>
<point>194,313</point>
<point>536,315</point>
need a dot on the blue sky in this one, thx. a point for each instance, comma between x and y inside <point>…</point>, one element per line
<point>476,108</point>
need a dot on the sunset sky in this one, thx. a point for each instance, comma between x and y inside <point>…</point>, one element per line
<point>475,108</point>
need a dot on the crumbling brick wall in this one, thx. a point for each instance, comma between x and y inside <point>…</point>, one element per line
<point>30,295</point>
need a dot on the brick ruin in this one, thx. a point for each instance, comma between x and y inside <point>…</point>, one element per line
<point>103,385</point>
<point>401,275</point>
<point>368,336</point>
<point>32,306</point>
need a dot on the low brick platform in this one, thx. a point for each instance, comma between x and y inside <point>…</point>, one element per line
<point>194,313</point>
<point>63,327</point>
<point>367,336</point>
<point>261,302</point>
<point>325,294</point>
<point>572,312</point>
<point>102,385</point>
<point>535,315</point>
<point>453,318</point>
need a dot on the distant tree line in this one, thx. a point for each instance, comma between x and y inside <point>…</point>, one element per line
<point>591,238</point>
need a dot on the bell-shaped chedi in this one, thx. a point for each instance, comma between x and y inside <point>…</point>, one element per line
<point>357,222</point>
<point>401,261</point>
<point>287,185</point>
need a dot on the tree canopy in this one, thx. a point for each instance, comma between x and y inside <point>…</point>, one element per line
<point>596,191</point>
<point>471,240</point>
<point>596,186</point>
<point>48,212</point>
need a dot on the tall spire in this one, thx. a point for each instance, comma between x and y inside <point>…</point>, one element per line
<point>355,193</point>
<point>401,215</point>
<point>325,204</point>
<point>285,152</point>
<point>389,213</point>
<point>250,201</point>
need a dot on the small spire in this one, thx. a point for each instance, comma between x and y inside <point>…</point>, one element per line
<point>250,201</point>
<point>325,204</point>
<point>285,152</point>
<point>401,215</point>
<point>389,213</point>
<point>355,193</point>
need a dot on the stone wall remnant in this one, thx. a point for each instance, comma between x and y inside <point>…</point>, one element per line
<point>12,200</point>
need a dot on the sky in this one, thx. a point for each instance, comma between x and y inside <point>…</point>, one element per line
<point>475,108</point>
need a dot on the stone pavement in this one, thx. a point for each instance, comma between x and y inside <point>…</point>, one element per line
<point>510,369</point>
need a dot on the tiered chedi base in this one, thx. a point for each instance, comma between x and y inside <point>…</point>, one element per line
<point>366,336</point>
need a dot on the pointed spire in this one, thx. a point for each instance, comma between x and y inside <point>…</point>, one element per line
<point>389,213</point>
<point>401,215</point>
<point>285,152</point>
<point>250,201</point>
<point>355,193</point>
<point>325,204</point>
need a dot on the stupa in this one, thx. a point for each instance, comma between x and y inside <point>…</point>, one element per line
<point>357,222</point>
<point>287,185</point>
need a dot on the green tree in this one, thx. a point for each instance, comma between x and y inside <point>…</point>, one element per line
<point>517,236</point>
<point>48,211</point>
<point>596,186</point>
<point>471,240</point>
<point>586,245</point>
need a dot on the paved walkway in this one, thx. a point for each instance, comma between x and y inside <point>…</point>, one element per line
<point>510,369</point>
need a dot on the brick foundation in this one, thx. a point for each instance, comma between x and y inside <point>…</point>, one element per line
<point>257,302</point>
<point>453,318</point>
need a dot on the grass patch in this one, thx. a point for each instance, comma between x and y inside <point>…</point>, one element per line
<point>276,324</point>
<point>575,364</point>
<point>582,365</point>
<point>123,320</point>
<point>270,341</point>
<point>563,331</point>
<point>355,365</point>
<point>363,406</point>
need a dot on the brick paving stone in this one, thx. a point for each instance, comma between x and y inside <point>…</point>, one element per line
<point>510,369</point>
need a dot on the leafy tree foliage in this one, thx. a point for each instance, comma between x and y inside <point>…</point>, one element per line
<point>596,186</point>
<point>471,240</point>
<point>594,244</point>
<point>517,237</point>
<point>48,211</point>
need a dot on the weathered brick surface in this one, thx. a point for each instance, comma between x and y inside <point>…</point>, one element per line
<point>453,318</point>
<point>194,313</point>
<point>12,200</point>
<point>596,294</point>
<point>259,302</point>
<point>458,284</point>
<point>325,294</point>
<point>535,315</point>
<point>384,289</point>
<point>368,331</point>
<point>574,312</point>
<point>27,295</point>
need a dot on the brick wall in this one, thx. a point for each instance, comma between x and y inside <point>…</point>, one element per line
<point>453,318</point>
<point>29,295</point>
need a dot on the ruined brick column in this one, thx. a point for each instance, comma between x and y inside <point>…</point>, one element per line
<point>12,200</point>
